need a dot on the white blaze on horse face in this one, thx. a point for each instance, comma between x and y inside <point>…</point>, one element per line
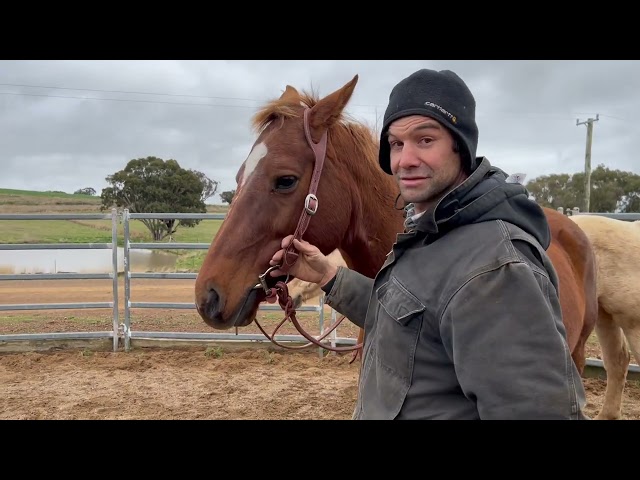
<point>257,153</point>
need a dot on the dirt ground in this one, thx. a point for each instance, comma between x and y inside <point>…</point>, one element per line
<point>186,382</point>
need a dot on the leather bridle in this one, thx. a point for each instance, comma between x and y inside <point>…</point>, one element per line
<point>281,291</point>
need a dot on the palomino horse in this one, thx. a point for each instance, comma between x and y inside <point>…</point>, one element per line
<point>313,172</point>
<point>617,247</point>
<point>301,291</point>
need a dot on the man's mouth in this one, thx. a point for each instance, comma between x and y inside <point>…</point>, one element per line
<point>412,181</point>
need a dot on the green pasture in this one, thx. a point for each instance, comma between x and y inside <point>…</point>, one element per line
<point>90,231</point>
<point>8,192</point>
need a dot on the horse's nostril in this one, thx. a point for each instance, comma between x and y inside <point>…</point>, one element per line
<point>212,307</point>
<point>214,298</point>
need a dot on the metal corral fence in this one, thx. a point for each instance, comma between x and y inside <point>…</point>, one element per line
<point>627,217</point>
<point>66,276</point>
<point>124,330</point>
<point>130,333</point>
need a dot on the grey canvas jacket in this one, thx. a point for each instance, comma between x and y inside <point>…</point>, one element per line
<point>463,320</point>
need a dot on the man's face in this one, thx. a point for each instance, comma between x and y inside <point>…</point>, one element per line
<point>423,160</point>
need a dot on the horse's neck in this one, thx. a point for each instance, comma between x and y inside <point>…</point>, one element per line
<point>375,223</point>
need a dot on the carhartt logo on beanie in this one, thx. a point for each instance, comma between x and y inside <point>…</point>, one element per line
<point>441,95</point>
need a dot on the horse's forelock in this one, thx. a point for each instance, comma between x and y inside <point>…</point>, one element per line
<point>282,108</point>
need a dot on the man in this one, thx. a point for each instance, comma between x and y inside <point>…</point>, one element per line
<point>463,320</point>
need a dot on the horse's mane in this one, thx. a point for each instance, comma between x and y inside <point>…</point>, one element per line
<point>345,131</point>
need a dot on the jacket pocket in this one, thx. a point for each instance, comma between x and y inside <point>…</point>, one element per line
<point>399,318</point>
<point>398,302</point>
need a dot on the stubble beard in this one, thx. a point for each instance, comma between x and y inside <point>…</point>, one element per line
<point>431,193</point>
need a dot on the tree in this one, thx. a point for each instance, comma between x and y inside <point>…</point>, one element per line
<point>153,185</point>
<point>611,190</point>
<point>553,190</point>
<point>227,196</point>
<point>209,187</point>
<point>85,191</point>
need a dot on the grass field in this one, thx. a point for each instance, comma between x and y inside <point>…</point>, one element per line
<point>48,194</point>
<point>89,231</point>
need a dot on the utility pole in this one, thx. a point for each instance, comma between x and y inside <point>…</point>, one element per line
<point>587,159</point>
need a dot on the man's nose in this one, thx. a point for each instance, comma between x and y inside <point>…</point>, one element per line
<point>409,157</point>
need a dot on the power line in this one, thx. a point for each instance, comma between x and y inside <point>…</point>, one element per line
<point>127,100</point>
<point>602,115</point>
<point>373,106</point>
<point>127,92</point>
<point>141,101</point>
<point>612,116</point>
<point>143,93</point>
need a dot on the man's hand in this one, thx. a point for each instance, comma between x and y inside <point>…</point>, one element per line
<point>311,266</point>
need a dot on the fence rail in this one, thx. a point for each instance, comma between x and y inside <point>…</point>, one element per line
<point>627,217</point>
<point>113,304</point>
<point>124,331</point>
<point>128,275</point>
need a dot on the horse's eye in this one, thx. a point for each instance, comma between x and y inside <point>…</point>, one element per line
<point>286,183</point>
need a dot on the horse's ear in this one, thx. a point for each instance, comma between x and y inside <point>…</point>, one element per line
<point>327,111</point>
<point>290,94</point>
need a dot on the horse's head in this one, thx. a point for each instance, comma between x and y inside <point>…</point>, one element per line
<point>272,185</point>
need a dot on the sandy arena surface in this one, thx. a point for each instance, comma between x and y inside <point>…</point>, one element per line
<point>181,382</point>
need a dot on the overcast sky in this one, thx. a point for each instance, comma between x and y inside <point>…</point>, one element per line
<point>68,124</point>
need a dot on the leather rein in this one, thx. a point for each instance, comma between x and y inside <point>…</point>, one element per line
<point>281,291</point>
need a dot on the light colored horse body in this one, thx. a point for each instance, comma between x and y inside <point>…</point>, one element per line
<point>301,291</point>
<point>617,248</point>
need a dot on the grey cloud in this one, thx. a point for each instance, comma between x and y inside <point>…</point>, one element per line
<point>527,113</point>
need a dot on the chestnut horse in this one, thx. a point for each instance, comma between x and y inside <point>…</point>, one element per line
<point>356,212</point>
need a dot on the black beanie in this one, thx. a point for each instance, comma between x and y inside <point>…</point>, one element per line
<point>441,95</point>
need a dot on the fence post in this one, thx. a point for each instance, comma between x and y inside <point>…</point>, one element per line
<point>114,257</point>
<point>321,320</point>
<point>334,334</point>
<point>127,281</point>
